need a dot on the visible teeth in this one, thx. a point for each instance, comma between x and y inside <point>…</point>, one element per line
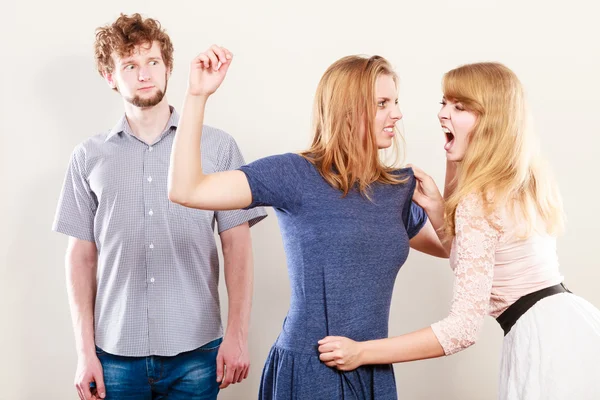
<point>446,130</point>
<point>388,129</point>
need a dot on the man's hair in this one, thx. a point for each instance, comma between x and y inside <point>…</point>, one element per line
<point>123,35</point>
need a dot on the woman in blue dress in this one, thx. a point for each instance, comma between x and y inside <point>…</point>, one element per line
<point>347,220</point>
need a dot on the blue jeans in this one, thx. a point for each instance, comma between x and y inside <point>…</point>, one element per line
<point>191,375</point>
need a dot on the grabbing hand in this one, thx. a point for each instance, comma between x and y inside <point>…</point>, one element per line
<point>426,194</point>
<point>340,352</point>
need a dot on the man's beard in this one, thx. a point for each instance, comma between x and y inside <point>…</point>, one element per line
<point>140,102</point>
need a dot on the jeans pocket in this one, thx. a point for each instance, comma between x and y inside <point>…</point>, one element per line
<point>211,346</point>
<point>99,352</point>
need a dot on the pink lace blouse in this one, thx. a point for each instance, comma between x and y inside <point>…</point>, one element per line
<point>492,269</point>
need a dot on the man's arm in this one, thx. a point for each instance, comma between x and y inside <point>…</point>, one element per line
<point>239,269</point>
<point>81,264</point>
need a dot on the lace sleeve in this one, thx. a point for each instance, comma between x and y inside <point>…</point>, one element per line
<point>472,258</point>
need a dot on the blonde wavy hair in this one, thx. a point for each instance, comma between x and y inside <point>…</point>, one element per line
<point>502,163</point>
<point>344,106</point>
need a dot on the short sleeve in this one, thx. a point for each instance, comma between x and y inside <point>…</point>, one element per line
<point>276,181</point>
<point>413,215</point>
<point>230,158</point>
<point>415,219</point>
<point>77,203</point>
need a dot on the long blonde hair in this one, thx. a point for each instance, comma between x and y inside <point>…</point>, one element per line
<point>502,163</point>
<point>344,104</point>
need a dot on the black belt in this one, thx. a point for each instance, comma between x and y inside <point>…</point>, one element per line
<point>512,314</point>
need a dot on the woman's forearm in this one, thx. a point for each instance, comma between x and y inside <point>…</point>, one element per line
<point>418,345</point>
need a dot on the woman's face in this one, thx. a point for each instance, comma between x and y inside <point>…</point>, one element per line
<point>388,112</point>
<point>457,124</point>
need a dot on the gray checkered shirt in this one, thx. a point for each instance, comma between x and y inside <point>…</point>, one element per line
<point>158,267</point>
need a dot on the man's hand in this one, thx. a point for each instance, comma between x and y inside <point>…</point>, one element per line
<point>89,370</point>
<point>233,361</point>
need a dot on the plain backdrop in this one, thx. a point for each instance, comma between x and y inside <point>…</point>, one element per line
<point>52,99</point>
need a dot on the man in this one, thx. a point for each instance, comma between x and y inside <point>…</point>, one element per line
<point>142,272</point>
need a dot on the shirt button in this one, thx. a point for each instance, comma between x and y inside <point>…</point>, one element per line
<point>151,213</point>
<point>151,246</point>
<point>149,179</point>
<point>150,148</point>
<point>151,280</point>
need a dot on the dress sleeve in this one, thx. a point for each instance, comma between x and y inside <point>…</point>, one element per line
<point>276,181</point>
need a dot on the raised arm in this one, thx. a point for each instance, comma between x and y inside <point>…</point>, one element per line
<point>188,185</point>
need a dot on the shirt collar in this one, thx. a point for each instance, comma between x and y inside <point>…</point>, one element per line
<point>123,125</point>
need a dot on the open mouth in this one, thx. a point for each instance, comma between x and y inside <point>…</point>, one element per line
<point>449,138</point>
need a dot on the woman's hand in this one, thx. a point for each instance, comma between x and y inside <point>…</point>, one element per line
<point>426,194</point>
<point>340,352</point>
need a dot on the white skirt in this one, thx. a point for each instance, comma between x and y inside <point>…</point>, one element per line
<point>553,352</point>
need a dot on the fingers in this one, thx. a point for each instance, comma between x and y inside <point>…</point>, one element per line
<point>329,349</point>
<point>223,381</point>
<point>203,60</point>
<point>225,372</point>
<point>330,343</point>
<point>214,61</point>
<point>333,352</point>
<point>333,359</point>
<point>244,373</point>
<point>79,392</point>
<point>232,364</point>
<point>223,55</point>
<point>328,339</point>
<point>330,346</point>
<point>100,388</point>
<point>214,58</point>
<point>235,373</point>
<point>239,375</point>
<point>418,196</point>
<point>419,173</point>
<point>327,357</point>
<point>229,373</point>
<point>85,392</point>
<point>220,367</point>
